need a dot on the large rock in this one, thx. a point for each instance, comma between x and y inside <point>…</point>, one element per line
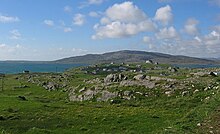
<point>114,78</point>
<point>140,77</point>
<point>51,86</point>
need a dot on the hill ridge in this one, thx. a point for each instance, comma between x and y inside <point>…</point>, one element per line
<point>134,56</point>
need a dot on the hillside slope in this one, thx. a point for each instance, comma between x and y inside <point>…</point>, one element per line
<point>134,56</point>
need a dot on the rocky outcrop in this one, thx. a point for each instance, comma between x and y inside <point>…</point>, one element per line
<point>51,86</point>
<point>140,77</point>
<point>114,78</point>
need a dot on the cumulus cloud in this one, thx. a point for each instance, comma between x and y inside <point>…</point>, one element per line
<point>164,15</point>
<point>123,20</point>
<point>10,51</point>
<point>79,19</point>
<point>212,38</point>
<point>167,33</point>
<point>8,19</point>
<point>199,46</point>
<point>125,12</point>
<point>216,28</point>
<point>49,23</point>
<point>191,26</point>
<point>15,34</point>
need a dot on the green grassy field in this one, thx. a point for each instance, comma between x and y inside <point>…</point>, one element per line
<point>46,112</point>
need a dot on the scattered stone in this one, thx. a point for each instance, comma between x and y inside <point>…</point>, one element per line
<point>83,89</point>
<point>207,88</point>
<point>127,93</point>
<point>215,74</point>
<point>173,70</point>
<point>149,62</point>
<point>199,124</point>
<point>197,90</point>
<point>207,98</point>
<point>184,93</point>
<point>168,93</point>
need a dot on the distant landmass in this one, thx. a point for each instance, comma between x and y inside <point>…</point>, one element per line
<point>128,56</point>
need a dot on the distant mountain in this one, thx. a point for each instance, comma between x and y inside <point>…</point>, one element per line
<point>134,56</point>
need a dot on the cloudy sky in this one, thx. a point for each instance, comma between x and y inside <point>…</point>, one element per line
<point>54,29</point>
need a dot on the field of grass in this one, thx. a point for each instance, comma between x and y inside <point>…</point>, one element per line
<point>44,112</point>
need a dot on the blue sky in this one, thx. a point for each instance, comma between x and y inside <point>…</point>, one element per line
<point>54,29</point>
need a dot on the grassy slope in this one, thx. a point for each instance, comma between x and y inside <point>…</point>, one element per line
<point>51,112</point>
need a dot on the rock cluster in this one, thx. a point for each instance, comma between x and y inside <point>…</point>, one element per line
<point>115,78</point>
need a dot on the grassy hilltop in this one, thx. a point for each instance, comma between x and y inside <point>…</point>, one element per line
<point>112,98</point>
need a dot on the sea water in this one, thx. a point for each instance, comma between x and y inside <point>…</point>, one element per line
<point>13,68</point>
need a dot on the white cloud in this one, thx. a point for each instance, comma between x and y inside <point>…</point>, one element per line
<point>216,28</point>
<point>8,19</point>
<point>11,51</point>
<point>118,29</point>
<point>212,38</point>
<point>67,29</point>
<point>191,26</point>
<point>21,52</point>
<point>15,34</point>
<point>167,33</point>
<point>67,9</point>
<point>49,23</point>
<point>198,39</point>
<point>123,20</point>
<point>199,46</point>
<point>215,2</point>
<point>94,14</point>
<point>164,15</point>
<point>79,19</point>
<point>147,39</point>
<point>125,12</point>
<point>2,46</point>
